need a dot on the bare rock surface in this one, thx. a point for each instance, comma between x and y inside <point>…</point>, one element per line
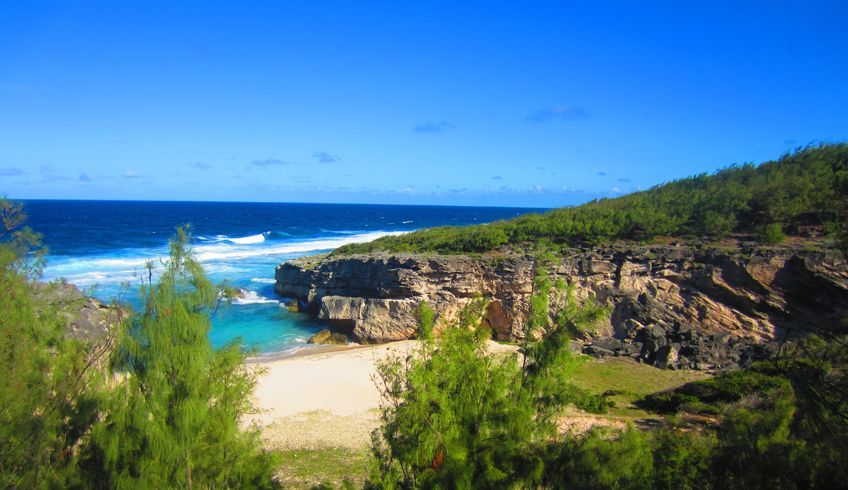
<point>672,305</point>
<point>87,318</point>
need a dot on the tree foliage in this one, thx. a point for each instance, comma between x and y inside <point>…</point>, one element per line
<point>774,432</point>
<point>164,414</point>
<point>805,188</point>
<point>51,387</point>
<point>457,416</point>
<point>426,321</point>
<point>453,418</point>
<point>173,421</point>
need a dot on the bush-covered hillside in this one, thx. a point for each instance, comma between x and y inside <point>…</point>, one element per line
<point>805,188</point>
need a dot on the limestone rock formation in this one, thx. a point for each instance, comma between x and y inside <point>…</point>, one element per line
<point>375,296</point>
<point>87,318</point>
<point>676,305</point>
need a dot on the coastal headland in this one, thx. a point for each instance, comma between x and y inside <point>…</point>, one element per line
<point>678,304</point>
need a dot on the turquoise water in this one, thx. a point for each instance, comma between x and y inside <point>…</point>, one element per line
<point>103,246</point>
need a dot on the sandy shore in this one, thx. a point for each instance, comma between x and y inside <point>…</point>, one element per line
<point>324,398</point>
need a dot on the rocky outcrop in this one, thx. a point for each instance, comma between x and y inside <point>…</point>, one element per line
<point>680,346</point>
<point>375,296</point>
<point>86,318</point>
<point>676,305</point>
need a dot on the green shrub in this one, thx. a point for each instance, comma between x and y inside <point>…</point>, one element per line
<point>707,396</point>
<point>717,224</point>
<point>805,187</point>
<point>682,459</point>
<point>52,385</point>
<point>600,459</point>
<point>173,422</point>
<point>771,233</point>
<point>458,417</point>
<point>454,419</point>
<point>425,316</point>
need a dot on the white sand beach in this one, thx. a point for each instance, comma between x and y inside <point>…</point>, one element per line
<point>325,398</point>
<point>322,399</point>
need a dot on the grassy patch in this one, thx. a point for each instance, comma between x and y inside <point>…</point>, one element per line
<point>629,381</point>
<point>308,468</point>
<point>706,397</point>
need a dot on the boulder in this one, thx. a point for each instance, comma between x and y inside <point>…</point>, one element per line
<point>328,337</point>
<point>666,357</point>
<point>87,318</point>
<point>595,351</point>
<point>607,343</point>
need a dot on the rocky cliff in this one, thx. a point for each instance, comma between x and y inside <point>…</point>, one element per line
<point>676,305</point>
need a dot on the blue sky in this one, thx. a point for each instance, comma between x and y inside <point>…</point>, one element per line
<point>489,103</point>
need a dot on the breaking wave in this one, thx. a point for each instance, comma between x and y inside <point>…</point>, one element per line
<point>249,297</point>
<point>217,254</point>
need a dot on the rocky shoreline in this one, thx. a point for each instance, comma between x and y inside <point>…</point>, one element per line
<point>676,305</point>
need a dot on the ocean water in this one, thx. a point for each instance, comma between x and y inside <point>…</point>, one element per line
<point>103,246</point>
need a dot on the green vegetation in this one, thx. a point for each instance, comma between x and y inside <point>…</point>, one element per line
<point>628,382</point>
<point>711,395</point>
<point>806,188</point>
<point>780,424</point>
<point>173,421</point>
<point>458,417</point>
<point>426,316</point>
<point>150,405</point>
<point>766,433</point>
<point>461,418</point>
<point>454,417</point>
<point>308,468</point>
<point>771,234</point>
<point>51,386</point>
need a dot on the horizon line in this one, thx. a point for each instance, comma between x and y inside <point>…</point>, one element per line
<point>281,202</point>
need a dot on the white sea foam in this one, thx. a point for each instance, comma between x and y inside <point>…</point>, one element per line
<point>251,298</point>
<point>249,240</point>
<point>245,240</point>
<point>217,255</point>
<point>263,280</point>
<point>216,238</point>
<point>97,278</point>
<point>206,253</point>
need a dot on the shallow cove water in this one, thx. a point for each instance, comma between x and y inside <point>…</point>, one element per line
<point>103,246</point>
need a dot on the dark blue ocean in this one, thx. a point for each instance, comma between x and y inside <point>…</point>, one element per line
<point>103,246</point>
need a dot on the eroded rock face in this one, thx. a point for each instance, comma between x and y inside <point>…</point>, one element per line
<point>375,296</point>
<point>86,318</point>
<point>691,297</point>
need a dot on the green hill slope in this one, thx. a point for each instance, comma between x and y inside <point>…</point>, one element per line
<point>808,188</point>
